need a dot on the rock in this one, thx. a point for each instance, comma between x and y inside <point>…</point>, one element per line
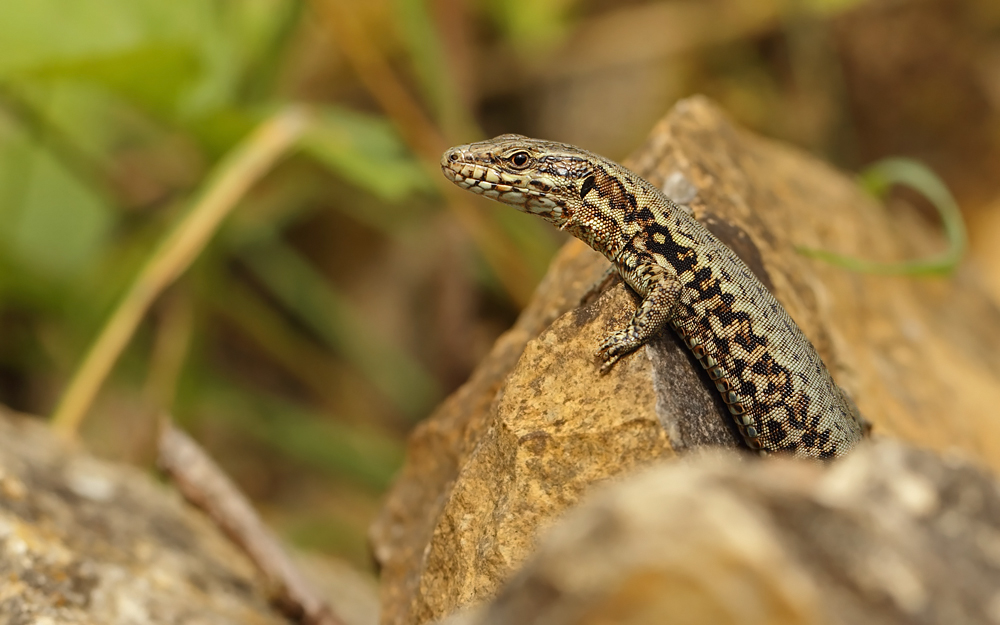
<point>536,426</point>
<point>88,541</point>
<point>891,534</point>
<point>442,443</point>
<point>85,541</point>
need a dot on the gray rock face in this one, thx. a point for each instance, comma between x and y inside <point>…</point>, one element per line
<point>88,541</point>
<point>85,541</point>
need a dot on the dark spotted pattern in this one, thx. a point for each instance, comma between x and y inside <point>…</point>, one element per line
<point>775,386</point>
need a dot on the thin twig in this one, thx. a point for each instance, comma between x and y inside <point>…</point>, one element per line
<point>204,485</point>
<point>228,183</point>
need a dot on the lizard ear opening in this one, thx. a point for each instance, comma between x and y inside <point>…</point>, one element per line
<point>588,183</point>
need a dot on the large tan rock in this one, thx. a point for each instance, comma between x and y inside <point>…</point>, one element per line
<point>536,425</point>
<point>889,535</point>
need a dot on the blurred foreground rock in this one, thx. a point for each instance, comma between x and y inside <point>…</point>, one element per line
<point>87,541</point>
<point>888,535</point>
<point>536,426</point>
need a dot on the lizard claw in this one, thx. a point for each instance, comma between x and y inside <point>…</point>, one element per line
<point>613,348</point>
<point>607,362</point>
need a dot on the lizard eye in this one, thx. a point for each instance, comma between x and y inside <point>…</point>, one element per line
<point>520,160</point>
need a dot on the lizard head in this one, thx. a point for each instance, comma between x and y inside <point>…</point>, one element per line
<point>534,176</point>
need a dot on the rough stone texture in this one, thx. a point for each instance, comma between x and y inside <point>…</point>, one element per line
<point>443,443</point>
<point>534,461</point>
<point>87,541</point>
<point>536,424</point>
<point>889,535</point>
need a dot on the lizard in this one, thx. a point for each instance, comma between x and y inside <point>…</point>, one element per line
<point>776,387</point>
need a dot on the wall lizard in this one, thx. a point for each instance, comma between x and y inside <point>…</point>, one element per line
<point>773,382</point>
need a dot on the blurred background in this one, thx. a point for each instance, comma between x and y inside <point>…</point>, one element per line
<point>350,289</point>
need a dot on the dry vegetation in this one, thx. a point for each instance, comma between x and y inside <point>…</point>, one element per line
<point>347,290</point>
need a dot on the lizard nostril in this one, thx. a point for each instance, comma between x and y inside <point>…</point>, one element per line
<point>453,157</point>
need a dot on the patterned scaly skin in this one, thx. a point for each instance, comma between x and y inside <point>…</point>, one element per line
<point>777,389</point>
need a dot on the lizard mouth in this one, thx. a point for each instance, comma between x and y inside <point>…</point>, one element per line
<point>472,174</point>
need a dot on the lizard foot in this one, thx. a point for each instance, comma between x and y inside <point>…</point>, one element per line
<point>614,347</point>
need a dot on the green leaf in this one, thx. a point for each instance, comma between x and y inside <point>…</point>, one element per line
<point>366,151</point>
<point>179,59</point>
<point>53,224</point>
<point>177,70</point>
<point>38,33</point>
<point>532,25</point>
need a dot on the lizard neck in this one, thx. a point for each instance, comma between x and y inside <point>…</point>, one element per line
<point>616,208</point>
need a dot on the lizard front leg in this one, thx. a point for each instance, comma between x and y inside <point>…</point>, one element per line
<point>661,290</point>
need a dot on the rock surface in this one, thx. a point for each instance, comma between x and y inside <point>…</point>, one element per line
<point>536,426</point>
<point>889,535</point>
<point>87,541</point>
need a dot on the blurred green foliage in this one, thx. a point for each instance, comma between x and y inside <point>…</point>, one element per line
<point>111,113</point>
<point>350,290</point>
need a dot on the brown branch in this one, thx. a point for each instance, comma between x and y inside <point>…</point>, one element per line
<point>204,485</point>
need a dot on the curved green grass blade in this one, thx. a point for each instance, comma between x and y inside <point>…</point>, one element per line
<point>877,180</point>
